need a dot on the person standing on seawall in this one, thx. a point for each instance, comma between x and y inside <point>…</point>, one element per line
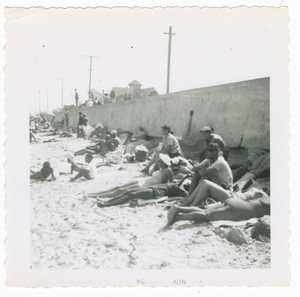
<point>76,98</point>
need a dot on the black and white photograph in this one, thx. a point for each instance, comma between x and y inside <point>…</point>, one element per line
<point>151,142</point>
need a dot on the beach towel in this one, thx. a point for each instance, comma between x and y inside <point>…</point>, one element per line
<point>233,223</point>
<point>142,202</point>
<point>116,157</point>
<point>88,130</point>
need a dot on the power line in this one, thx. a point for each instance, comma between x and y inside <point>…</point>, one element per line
<point>169,57</point>
<point>91,58</point>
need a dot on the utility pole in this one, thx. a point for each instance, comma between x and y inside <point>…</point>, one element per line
<point>62,93</point>
<point>91,58</point>
<point>169,57</point>
<point>47,101</point>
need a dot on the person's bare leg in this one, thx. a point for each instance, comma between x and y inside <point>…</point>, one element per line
<point>151,162</point>
<point>195,182</point>
<point>215,191</point>
<point>122,194</point>
<point>222,213</point>
<point>141,194</point>
<point>81,152</point>
<point>82,173</point>
<point>188,200</point>
<point>114,191</point>
<point>35,175</point>
<point>175,209</point>
<point>155,167</point>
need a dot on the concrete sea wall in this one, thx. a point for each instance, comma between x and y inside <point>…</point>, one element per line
<point>239,112</point>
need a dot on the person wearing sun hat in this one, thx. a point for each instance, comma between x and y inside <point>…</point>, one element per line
<point>170,146</point>
<point>210,137</point>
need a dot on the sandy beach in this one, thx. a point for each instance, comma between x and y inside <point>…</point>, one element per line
<point>69,231</point>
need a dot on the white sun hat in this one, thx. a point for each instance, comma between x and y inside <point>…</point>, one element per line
<point>71,157</point>
<point>165,158</point>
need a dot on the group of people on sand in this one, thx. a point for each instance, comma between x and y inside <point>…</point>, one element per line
<point>37,125</point>
<point>210,177</point>
<point>87,170</point>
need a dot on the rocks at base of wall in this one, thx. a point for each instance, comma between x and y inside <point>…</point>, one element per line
<point>236,236</point>
<point>254,155</point>
<point>239,173</point>
<point>261,167</point>
<point>244,180</point>
<point>262,230</point>
<point>140,133</point>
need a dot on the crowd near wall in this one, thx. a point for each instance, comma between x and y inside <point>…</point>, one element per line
<point>239,112</point>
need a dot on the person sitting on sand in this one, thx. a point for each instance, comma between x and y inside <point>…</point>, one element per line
<point>170,146</point>
<point>88,171</point>
<point>152,192</point>
<point>164,175</point>
<point>214,168</point>
<point>209,138</point>
<point>99,132</point>
<point>103,146</point>
<point>233,209</point>
<point>44,173</point>
<point>210,189</point>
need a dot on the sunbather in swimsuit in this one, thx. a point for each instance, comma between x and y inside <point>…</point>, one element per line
<point>164,175</point>
<point>234,209</point>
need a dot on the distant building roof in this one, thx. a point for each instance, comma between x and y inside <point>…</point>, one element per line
<point>136,93</point>
<point>94,91</point>
<point>120,91</point>
<point>135,83</point>
<point>147,92</point>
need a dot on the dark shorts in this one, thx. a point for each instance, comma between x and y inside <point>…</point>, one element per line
<point>170,190</point>
<point>173,155</point>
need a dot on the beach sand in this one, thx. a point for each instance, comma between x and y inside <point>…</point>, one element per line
<point>71,232</point>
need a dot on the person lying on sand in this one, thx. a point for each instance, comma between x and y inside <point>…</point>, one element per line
<point>170,147</point>
<point>88,171</point>
<point>99,132</point>
<point>164,175</point>
<point>216,192</point>
<point>152,192</point>
<point>102,147</point>
<point>44,173</point>
<point>213,168</point>
<point>233,209</point>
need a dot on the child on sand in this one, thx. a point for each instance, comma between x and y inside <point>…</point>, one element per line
<point>44,173</point>
<point>88,171</point>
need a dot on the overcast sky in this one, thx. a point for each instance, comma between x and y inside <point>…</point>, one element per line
<point>211,47</point>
